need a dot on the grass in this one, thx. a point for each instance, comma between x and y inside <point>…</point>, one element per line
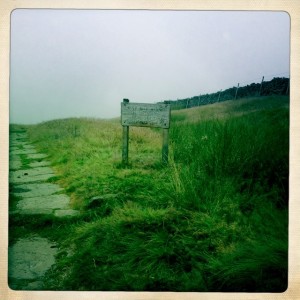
<point>214,219</point>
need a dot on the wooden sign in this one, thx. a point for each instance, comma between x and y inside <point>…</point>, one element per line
<point>145,115</point>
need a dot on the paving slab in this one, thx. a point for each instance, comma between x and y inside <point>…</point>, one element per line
<point>31,190</point>
<point>23,151</point>
<point>13,148</point>
<point>42,163</point>
<point>15,164</point>
<point>18,140</point>
<point>18,136</point>
<point>36,211</point>
<point>66,213</point>
<point>14,156</point>
<point>36,156</point>
<point>33,171</point>
<point>31,175</point>
<point>31,257</point>
<point>26,179</point>
<point>28,146</point>
<point>35,285</point>
<point>17,144</point>
<point>43,204</point>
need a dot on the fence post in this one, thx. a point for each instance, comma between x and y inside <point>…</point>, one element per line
<point>199,100</point>
<point>236,91</point>
<point>219,95</point>
<point>125,141</point>
<point>288,88</point>
<point>261,85</point>
<point>187,103</point>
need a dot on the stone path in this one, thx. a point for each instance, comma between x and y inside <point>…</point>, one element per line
<point>31,256</point>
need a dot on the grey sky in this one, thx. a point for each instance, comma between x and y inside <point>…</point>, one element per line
<point>82,63</point>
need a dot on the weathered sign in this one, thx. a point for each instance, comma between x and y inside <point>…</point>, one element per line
<point>145,115</point>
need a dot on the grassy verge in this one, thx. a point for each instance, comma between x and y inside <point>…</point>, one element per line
<point>214,219</point>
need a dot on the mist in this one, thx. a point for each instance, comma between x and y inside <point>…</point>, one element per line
<point>82,63</point>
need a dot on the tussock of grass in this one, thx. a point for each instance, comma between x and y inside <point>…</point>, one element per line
<point>214,219</point>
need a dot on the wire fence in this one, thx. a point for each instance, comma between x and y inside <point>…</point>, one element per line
<point>275,86</point>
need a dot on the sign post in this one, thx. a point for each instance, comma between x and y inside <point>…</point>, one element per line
<point>165,146</point>
<point>125,144</point>
<point>145,115</point>
<point>125,140</point>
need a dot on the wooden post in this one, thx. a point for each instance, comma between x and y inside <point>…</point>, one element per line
<point>261,85</point>
<point>187,103</point>
<point>199,100</point>
<point>165,147</point>
<point>288,88</point>
<point>125,144</point>
<point>125,141</point>
<point>236,91</point>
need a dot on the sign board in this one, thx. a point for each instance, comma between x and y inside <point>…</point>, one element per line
<point>145,115</point>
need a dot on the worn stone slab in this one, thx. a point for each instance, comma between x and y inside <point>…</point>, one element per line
<point>14,157</point>
<point>37,211</point>
<point>17,144</point>
<point>36,156</point>
<point>18,140</point>
<point>35,189</point>
<point>30,258</point>
<point>23,151</point>
<point>27,179</point>
<point>37,205</point>
<point>18,136</point>
<point>35,285</point>
<point>13,148</point>
<point>15,164</point>
<point>66,213</point>
<point>37,178</point>
<point>31,175</point>
<point>33,171</point>
<point>42,163</point>
<point>28,146</point>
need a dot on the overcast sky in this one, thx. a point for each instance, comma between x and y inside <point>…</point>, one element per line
<point>82,63</point>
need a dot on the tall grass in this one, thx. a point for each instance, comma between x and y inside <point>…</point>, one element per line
<point>214,219</point>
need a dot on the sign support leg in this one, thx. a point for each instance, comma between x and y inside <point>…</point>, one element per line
<point>125,144</point>
<point>165,147</point>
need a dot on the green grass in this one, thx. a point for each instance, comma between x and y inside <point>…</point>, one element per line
<point>214,219</point>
